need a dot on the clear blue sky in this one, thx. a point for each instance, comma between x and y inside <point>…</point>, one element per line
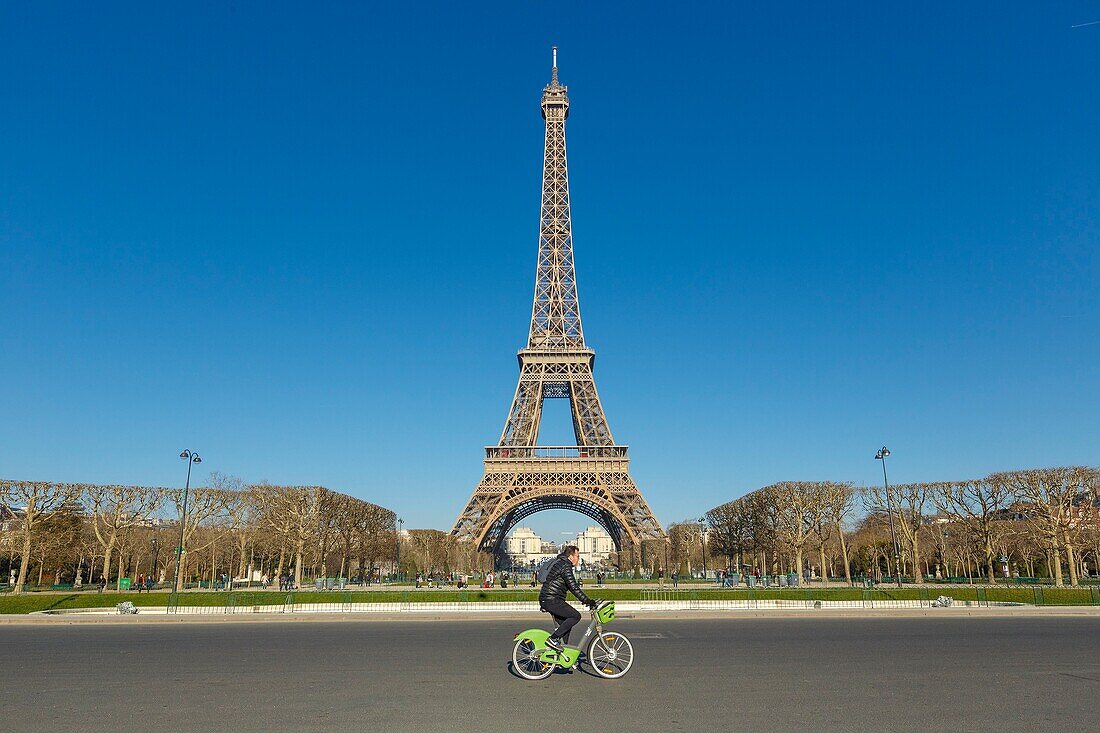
<point>301,240</point>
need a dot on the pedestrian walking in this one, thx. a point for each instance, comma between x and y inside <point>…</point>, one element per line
<point>675,579</point>
<point>102,583</point>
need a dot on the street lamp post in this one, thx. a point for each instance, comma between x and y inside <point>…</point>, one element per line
<point>703,533</point>
<point>156,549</point>
<point>882,454</point>
<point>191,458</point>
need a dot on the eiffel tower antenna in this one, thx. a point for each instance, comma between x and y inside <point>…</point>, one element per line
<point>522,477</point>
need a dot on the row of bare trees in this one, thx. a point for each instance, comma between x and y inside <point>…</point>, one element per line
<point>1037,519</point>
<point>67,530</point>
<point>439,553</point>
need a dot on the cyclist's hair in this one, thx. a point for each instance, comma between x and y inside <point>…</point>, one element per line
<point>569,550</point>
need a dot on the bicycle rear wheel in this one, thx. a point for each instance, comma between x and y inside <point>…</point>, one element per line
<point>526,662</point>
<point>611,655</point>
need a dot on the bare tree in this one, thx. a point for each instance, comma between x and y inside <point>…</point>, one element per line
<point>684,538</point>
<point>822,494</point>
<point>432,548</point>
<point>239,515</point>
<point>203,505</point>
<point>977,507</point>
<point>38,500</point>
<point>837,503</point>
<point>908,504</point>
<point>300,505</point>
<point>731,534</point>
<point>798,505</point>
<point>1050,500</point>
<point>114,510</point>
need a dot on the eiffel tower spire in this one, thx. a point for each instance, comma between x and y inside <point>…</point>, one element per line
<point>521,477</point>
<point>556,314</point>
<point>556,362</point>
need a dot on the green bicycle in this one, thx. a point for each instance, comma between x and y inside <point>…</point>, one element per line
<point>609,653</point>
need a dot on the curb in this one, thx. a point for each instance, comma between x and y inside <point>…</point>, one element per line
<point>154,617</point>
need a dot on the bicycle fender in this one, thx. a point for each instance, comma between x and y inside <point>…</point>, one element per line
<point>537,637</point>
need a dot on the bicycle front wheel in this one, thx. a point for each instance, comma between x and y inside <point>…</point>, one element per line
<point>611,655</point>
<point>526,662</point>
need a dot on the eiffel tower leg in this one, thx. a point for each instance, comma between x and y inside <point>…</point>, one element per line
<point>522,425</point>
<point>589,421</point>
<point>481,508</point>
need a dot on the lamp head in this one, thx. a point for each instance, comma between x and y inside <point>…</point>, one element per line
<point>195,458</point>
<point>883,452</point>
<point>185,454</point>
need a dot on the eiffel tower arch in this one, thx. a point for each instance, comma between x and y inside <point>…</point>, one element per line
<point>522,477</point>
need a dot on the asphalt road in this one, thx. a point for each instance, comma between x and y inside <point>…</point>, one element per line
<point>785,674</point>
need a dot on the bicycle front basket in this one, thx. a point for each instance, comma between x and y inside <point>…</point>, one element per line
<point>606,613</point>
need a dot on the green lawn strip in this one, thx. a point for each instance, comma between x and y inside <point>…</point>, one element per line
<point>39,602</point>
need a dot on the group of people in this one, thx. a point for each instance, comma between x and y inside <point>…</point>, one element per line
<point>144,583</point>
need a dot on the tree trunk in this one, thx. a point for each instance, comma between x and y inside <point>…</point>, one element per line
<point>824,571</point>
<point>298,564</point>
<point>844,553</point>
<point>1070,560</point>
<point>1055,559</point>
<point>107,552</point>
<point>241,566</point>
<point>917,578</point>
<point>21,582</point>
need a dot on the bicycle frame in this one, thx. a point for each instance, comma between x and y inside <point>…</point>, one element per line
<point>570,655</point>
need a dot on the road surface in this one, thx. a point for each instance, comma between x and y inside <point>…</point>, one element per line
<point>739,674</point>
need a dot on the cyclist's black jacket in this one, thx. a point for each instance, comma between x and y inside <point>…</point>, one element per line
<point>559,579</point>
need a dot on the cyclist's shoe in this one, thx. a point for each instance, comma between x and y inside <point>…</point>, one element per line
<point>555,644</point>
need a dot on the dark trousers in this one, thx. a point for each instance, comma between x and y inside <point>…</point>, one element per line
<point>565,616</point>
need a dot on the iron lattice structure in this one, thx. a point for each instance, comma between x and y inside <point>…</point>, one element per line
<point>592,477</point>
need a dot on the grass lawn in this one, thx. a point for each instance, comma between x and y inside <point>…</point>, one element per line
<point>40,602</point>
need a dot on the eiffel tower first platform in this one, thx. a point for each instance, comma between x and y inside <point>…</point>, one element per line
<point>592,477</point>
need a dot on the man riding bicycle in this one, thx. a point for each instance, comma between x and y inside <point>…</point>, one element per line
<point>559,579</point>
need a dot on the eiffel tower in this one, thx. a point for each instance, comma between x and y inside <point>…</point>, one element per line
<point>592,477</point>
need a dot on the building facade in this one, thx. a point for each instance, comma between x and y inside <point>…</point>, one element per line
<point>524,547</point>
<point>595,545</point>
